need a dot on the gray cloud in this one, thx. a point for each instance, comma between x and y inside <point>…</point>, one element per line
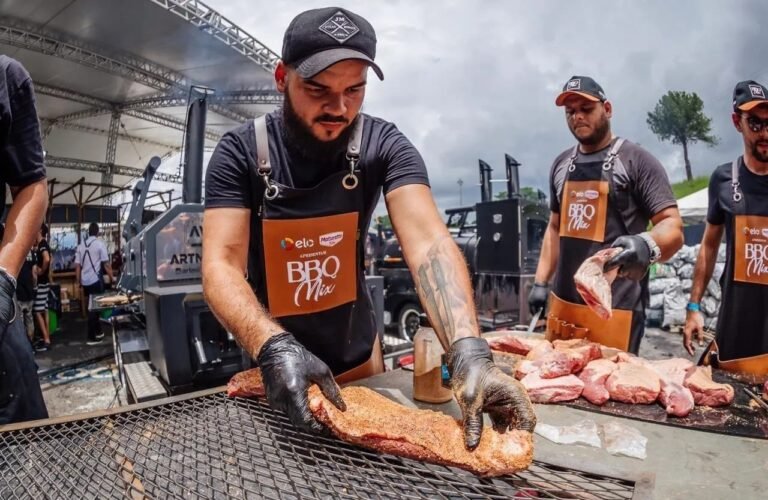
<point>468,80</point>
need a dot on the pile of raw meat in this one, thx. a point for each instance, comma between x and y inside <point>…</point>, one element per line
<point>563,370</point>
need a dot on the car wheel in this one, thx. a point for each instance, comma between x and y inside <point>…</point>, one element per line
<point>408,320</point>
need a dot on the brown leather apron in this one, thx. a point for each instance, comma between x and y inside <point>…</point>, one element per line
<point>753,365</point>
<point>373,366</point>
<point>584,221</point>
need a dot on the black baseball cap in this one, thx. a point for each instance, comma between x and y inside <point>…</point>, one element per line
<point>319,38</point>
<point>583,86</point>
<point>748,94</point>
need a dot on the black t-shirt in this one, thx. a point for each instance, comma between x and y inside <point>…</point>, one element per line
<point>25,286</point>
<point>21,150</point>
<point>388,160</point>
<point>42,249</point>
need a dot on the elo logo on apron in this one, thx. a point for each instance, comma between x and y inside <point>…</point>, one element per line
<point>584,208</point>
<point>311,263</point>
<point>751,249</point>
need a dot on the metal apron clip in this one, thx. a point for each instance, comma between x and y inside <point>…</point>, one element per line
<point>737,196</point>
<point>350,180</point>
<point>264,168</point>
<point>609,159</point>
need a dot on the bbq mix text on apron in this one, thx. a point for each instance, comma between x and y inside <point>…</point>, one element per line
<point>589,221</point>
<point>308,258</point>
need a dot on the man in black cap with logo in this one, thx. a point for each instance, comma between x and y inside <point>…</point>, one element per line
<point>288,197</point>
<point>604,192</point>
<point>23,170</point>
<point>738,205</point>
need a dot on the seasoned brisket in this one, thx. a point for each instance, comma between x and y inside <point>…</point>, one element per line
<point>375,422</point>
<point>246,384</point>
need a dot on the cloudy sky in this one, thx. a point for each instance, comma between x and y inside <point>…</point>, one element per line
<point>477,79</point>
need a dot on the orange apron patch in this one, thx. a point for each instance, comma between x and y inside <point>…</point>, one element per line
<point>751,249</point>
<point>310,263</point>
<point>584,209</point>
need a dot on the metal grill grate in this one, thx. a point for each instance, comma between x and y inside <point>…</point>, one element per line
<point>211,446</point>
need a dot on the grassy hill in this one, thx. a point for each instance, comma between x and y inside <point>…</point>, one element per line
<point>684,188</point>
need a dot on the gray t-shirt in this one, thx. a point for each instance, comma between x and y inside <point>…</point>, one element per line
<point>642,185</point>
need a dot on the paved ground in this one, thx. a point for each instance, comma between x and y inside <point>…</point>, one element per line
<point>68,345</point>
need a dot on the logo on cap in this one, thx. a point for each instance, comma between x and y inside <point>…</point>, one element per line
<point>339,27</point>
<point>757,91</point>
<point>574,84</point>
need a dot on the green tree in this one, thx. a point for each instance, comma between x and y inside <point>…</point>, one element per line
<point>679,118</point>
<point>526,192</point>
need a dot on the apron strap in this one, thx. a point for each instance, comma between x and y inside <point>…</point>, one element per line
<point>613,153</point>
<point>264,167</point>
<point>350,180</point>
<point>737,196</point>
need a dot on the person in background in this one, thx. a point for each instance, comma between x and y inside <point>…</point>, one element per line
<point>25,293</point>
<point>21,169</point>
<point>738,208</point>
<point>42,272</point>
<point>91,261</point>
<point>604,192</point>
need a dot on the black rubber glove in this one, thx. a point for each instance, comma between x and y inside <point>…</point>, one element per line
<point>7,305</point>
<point>288,369</point>
<point>537,298</point>
<point>634,260</point>
<point>480,386</point>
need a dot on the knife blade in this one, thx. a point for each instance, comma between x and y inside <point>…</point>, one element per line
<point>534,320</point>
<point>757,399</point>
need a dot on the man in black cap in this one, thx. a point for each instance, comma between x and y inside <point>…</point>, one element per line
<point>604,192</point>
<point>21,158</point>
<point>288,197</point>
<point>738,205</point>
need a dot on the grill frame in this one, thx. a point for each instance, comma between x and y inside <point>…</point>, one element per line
<point>119,453</point>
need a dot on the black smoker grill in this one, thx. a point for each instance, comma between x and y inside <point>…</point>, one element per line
<point>206,445</point>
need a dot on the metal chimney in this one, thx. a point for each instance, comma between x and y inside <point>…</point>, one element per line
<point>513,176</point>
<point>486,191</point>
<point>192,188</point>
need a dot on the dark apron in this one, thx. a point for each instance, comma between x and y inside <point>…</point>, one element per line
<point>589,221</point>
<point>310,267</point>
<point>741,342</point>
<point>20,396</point>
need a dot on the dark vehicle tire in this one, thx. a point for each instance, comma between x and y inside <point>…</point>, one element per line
<point>408,320</point>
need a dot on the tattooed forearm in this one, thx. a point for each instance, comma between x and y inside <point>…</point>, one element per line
<point>443,284</point>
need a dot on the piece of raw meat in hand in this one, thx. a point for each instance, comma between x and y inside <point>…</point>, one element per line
<point>594,377</point>
<point>420,434</point>
<point>594,284</point>
<point>633,383</point>
<point>515,344</point>
<point>707,392</point>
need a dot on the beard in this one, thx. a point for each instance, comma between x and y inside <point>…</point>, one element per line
<point>298,136</point>
<point>757,154</point>
<point>602,129</point>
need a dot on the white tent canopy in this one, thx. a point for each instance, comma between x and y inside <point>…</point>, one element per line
<point>693,208</point>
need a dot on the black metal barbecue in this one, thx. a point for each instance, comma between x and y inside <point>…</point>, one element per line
<point>206,445</point>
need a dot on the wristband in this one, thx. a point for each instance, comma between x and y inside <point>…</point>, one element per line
<point>693,306</point>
